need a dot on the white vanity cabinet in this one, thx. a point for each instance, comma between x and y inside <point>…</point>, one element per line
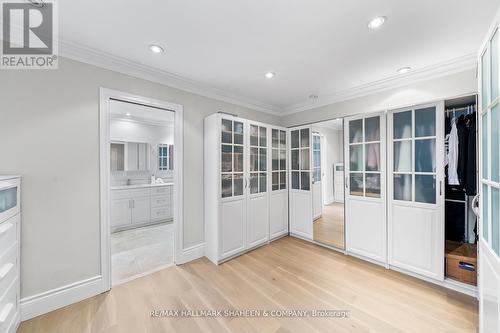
<point>133,206</point>
<point>239,212</point>
<point>10,226</point>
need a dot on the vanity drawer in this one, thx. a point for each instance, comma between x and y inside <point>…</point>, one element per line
<point>9,267</point>
<point>161,201</point>
<point>125,194</point>
<point>9,233</point>
<point>161,213</point>
<point>9,306</point>
<point>161,190</point>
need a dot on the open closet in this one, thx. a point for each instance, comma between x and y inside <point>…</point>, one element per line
<point>461,173</point>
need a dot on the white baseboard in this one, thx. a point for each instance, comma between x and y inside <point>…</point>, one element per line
<point>192,253</point>
<point>54,299</point>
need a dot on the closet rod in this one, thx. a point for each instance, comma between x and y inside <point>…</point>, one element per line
<point>465,108</point>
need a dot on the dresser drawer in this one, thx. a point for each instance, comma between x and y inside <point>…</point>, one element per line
<point>161,213</point>
<point>167,189</point>
<point>9,306</point>
<point>9,231</point>
<point>125,194</point>
<point>9,267</point>
<point>161,201</point>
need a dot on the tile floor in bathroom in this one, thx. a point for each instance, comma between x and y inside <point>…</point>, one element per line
<point>141,250</point>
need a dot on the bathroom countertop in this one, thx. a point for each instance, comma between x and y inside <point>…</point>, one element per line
<point>128,187</point>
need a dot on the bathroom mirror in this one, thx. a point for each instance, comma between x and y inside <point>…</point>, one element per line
<point>129,156</point>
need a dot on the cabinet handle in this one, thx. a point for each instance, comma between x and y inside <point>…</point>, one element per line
<point>4,314</point>
<point>346,182</point>
<point>5,228</point>
<point>440,187</point>
<point>5,270</point>
<point>246,182</point>
<point>133,203</point>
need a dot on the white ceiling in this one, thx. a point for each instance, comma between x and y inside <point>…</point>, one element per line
<point>317,47</point>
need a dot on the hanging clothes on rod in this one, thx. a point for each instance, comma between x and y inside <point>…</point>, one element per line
<point>452,156</point>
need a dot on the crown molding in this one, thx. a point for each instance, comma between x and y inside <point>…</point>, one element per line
<point>430,72</point>
<point>119,64</point>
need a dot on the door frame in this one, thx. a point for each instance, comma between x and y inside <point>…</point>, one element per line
<point>105,96</point>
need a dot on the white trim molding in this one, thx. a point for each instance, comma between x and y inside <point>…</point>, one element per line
<point>192,253</point>
<point>122,65</point>
<point>104,139</point>
<point>54,299</point>
<point>119,64</point>
<point>452,66</point>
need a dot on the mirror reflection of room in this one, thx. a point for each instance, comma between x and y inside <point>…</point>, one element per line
<point>328,183</point>
<point>141,162</point>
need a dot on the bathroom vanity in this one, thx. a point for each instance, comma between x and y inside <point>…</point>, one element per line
<point>134,206</point>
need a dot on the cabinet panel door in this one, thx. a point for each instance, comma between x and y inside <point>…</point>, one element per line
<point>365,196</point>
<point>416,189</point>
<point>132,156</point>
<point>300,196</point>
<point>120,212</point>
<point>141,210</point>
<point>232,230</point>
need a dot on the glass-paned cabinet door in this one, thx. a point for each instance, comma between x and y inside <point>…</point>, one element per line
<point>316,157</point>
<point>8,199</point>
<point>490,144</point>
<point>414,175</point>
<point>300,158</point>
<point>278,165</point>
<point>258,159</point>
<point>232,158</point>
<point>364,175</point>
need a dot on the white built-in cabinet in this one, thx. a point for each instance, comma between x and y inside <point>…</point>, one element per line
<point>10,253</point>
<point>245,185</point>
<point>136,206</point>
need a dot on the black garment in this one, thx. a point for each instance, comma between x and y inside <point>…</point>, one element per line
<point>462,150</point>
<point>471,175</point>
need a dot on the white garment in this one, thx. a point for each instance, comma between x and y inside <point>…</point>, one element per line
<point>403,156</point>
<point>452,157</point>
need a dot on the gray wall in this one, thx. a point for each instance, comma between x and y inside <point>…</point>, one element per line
<point>421,92</point>
<point>49,134</point>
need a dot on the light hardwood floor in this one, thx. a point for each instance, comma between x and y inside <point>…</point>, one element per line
<point>287,274</point>
<point>329,228</point>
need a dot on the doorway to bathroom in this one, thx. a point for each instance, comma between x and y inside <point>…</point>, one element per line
<point>141,162</point>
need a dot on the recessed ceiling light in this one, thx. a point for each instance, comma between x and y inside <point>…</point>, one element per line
<point>156,48</point>
<point>377,22</point>
<point>404,70</point>
<point>128,114</point>
<point>313,96</point>
<point>270,75</point>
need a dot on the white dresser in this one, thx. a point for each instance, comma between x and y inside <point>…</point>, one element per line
<point>10,227</point>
